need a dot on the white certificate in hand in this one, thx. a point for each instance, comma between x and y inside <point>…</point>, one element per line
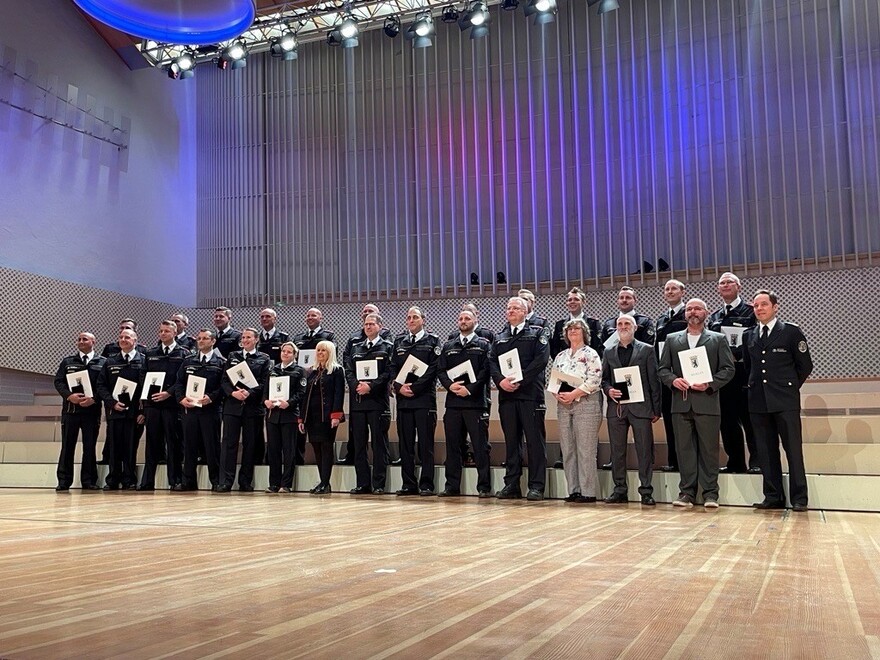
<point>510,366</point>
<point>152,379</point>
<point>306,358</point>
<point>367,369</point>
<point>195,389</point>
<point>558,377</point>
<point>734,334</point>
<point>633,380</point>
<point>613,340</point>
<point>241,374</point>
<point>695,366</point>
<point>279,388</point>
<point>412,365</point>
<point>124,386</point>
<point>81,380</point>
<point>463,369</point>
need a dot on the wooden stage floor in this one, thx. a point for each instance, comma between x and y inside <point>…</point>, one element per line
<point>289,576</point>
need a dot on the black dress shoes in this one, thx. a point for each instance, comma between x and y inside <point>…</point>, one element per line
<point>616,498</point>
<point>449,492</point>
<point>91,487</point>
<point>245,489</point>
<point>769,504</point>
<point>62,489</point>
<point>130,487</point>
<point>606,466</point>
<point>574,497</point>
<point>403,492</point>
<point>361,490</point>
<point>484,494</point>
<point>111,487</point>
<point>557,465</point>
<point>648,500</point>
<point>534,495</point>
<point>378,491</point>
<point>321,489</point>
<point>754,470</point>
<point>799,507</point>
<point>144,488</point>
<point>587,499</point>
<point>396,461</point>
<point>509,493</point>
<point>424,492</point>
<point>223,488</point>
<point>669,468</point>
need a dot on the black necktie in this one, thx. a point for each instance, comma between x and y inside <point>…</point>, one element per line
<point>764,333</point>
<point>127,359</point>
<point>369,345</point>
<point>85,359</point>
<point>167,350</point>
<point>513,332</point>
<point>310,335</point>
<point>729,307</point>
<point>464,342</point>
<point>265,336</point>
<point>412,338</point>
<point>204,359</point>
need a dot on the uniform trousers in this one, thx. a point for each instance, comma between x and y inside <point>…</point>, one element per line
<point>281,441</point>
<point>71,427</point>
<point>163,440</point>
<point>697,438</point>
<point>201,433</point>
<point>668,426</point>
<point>735,420</point>
<point>769,429</point>
<point>523,419</point>
<point>245,428</point>
<point>370,425</point>
<point>457,422</point>
<point>619,425</point>
<point>122,453</point>
<point>412,422</point>
<point>579,425</point>
<point>323,438</point>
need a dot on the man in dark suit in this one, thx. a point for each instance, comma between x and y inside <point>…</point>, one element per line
<point>696,410</point>
<point>80,413</point>
<point>517,396</point>
<point>626,303</point>
<point>733,319</point>
<point>271,337</point>
<point>576,304</point>
<point>672,320</point>
<point>777,361</point>
<point>638,416</point>
<point>228,339</point>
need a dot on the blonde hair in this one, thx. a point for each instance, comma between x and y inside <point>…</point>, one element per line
<point>330,347</point>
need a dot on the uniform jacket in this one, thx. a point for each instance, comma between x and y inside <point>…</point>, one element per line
<point>227,342</point>
<point>743,316</point>
<point>73,364</point>
<point>272,347</point>
<point>156,360</point>
<point>426,349</point>
<point>214,374</point>
<point>665,326</point>
<point>330,389</point>
<point>720,362</point>
<point>113,349</point>
<point>114,369</point>
<point>296,388</point>
<point>260,364</point>
<point>480,331</point>
<point>534,352</point>
<point>355,337</point>
<point>644,328</point>
<point>378,396</point>
<point>452,355</point>
<point>643,357</point>
<point>777,368</point>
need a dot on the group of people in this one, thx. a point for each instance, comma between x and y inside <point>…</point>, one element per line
<point>736,371</point>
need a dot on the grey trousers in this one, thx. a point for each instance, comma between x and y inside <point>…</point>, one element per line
<point>696,439</point>
<point>579,440</point>
<point>643,438</point>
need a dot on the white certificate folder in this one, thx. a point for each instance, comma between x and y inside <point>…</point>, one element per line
<point>412,366</point>
<point>633,380</point>
<point>510,366</point>
<point>367,369</point>
<point>463,372</point>
<point>695,367</point>
<point>279,388</point>
<point>241,374</point>
<point>195,389</point>
<point>80,379</point>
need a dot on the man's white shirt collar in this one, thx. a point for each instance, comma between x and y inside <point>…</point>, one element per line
<point>769,326</point>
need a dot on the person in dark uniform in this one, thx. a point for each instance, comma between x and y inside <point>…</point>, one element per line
<point>308,341</point>
<point>271,338</point>
<point>517,394</point>
<point>576,304</point>
<point>282,415</point>
<point>532,318</point>
<point>160,409</point>
<point>672,320</point>
<point>466,403</point>
<point>243,412</point>
<point>228,338</point>
<point>368,370</point>
<point>111,350</point>
<point>80,414</point>
<point>182,339</point>
<point>121,406</point>
<point>416,391</point>
<point>777,360</point>
<point>638,416</point>
<point>354,337</point>
<point>626,303</point>
<point>734,317</point>
<point>321,411</point>
<point>484,332</point>
<point>201,409</point>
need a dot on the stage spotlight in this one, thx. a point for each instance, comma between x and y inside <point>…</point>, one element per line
<point>509,5</point>
<point>544,11</point>
<point>604,5</point>
<point>475,279</point>
<point>450,14</point>
<point>500,278</point>
<point>421,32</point>
<point>183,66</point>
<point>662,265</point>
<point>391,27</point>
<point>233,56</point>
<point>476,18</point>
<point>284,46</point>
<point>345,34</point>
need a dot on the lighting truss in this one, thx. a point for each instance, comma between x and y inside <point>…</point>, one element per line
<point>310,23</point>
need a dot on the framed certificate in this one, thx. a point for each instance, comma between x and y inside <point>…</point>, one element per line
<point>279,388</point>
<point>79,383</point>
<point>367,369</point>
<point>195,389</point>
<point>510,366</point>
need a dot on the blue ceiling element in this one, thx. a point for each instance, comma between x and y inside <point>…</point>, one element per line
<point>193,22</point>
